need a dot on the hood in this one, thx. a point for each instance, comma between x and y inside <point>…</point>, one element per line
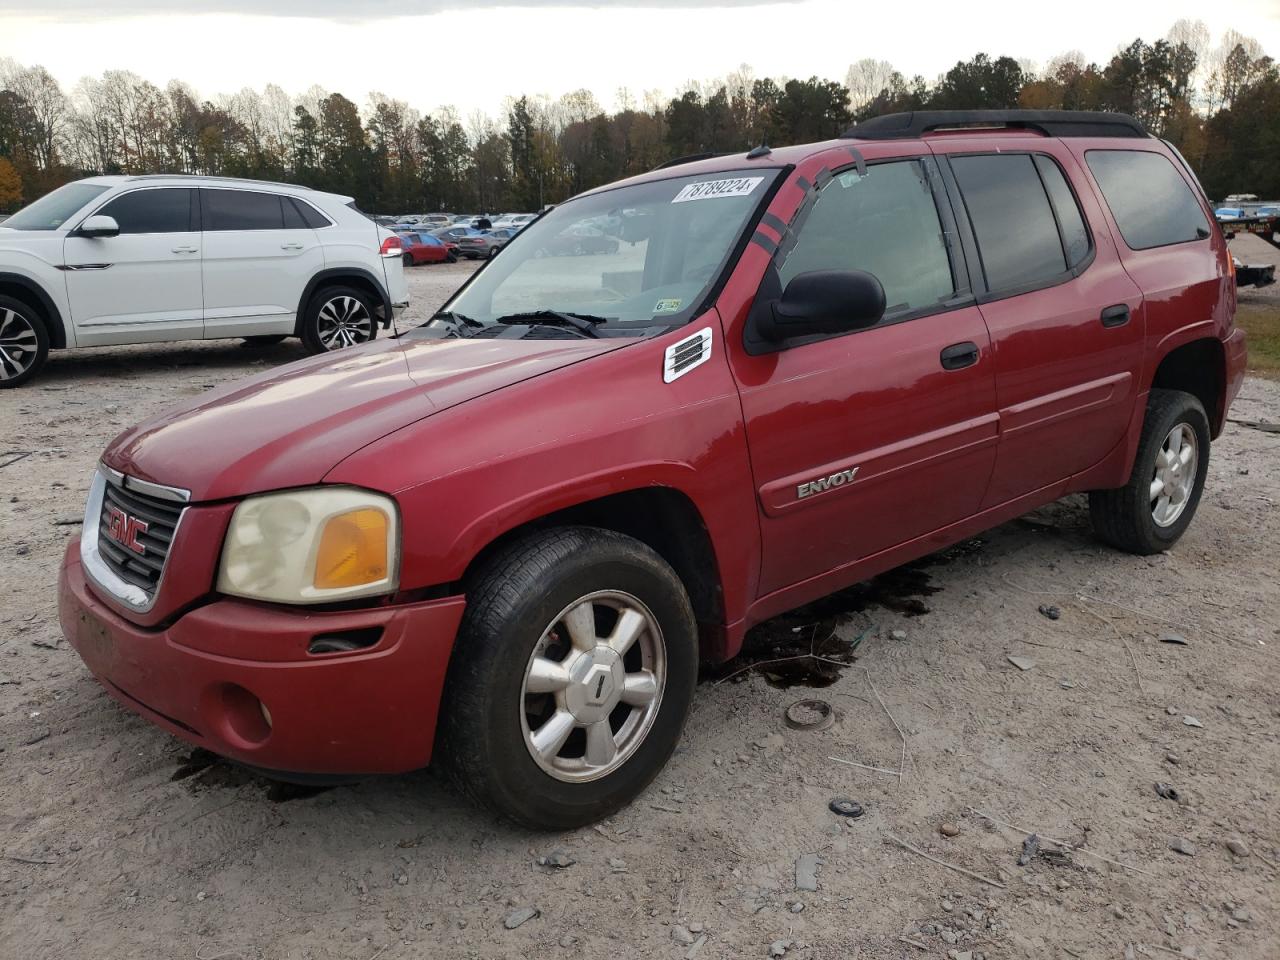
<point>290,426</point>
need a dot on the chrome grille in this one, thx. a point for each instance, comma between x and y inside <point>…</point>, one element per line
<point>161,517</point>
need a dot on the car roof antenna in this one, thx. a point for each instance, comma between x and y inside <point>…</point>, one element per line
<point>758,152</point>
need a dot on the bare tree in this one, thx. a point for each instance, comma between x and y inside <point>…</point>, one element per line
<point>865,79</point>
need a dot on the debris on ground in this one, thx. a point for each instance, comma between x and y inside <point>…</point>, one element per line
<point>1191,722</point>
<point>520,915</point>
<point>809,715</point>
<point>1183,846</point>
<point>1022,663</point>
<point>682,935</point>
<point>1238,847</point>
<point>558,859</point>
<point>1050,611</point>
<point>807,872</point>
<point>779,948</point>
<point>1174,638</point>
<point>1167,791</point>
<point>949,829</point>
<point>846,807</point>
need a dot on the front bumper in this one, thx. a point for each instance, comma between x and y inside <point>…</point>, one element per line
<point>207,676</point>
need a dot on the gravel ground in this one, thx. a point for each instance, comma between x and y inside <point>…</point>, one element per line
<point>118,842</point>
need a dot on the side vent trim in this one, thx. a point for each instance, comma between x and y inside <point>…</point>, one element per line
<point>684,355</point>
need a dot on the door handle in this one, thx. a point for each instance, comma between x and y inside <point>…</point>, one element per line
<point>290,246</point>
<point>1116,316</point>
<point>960,355</point>
<point>186,249</point>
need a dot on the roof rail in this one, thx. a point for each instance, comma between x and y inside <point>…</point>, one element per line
<point>1051,123</point>
<point>199,176</point>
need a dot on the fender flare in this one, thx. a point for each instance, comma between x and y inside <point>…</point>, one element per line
<point>57,331</point>
<point>337,273</point>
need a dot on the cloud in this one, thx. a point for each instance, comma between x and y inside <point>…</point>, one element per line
<point>347,9</point>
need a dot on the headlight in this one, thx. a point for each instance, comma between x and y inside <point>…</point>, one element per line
<point>312,546</point>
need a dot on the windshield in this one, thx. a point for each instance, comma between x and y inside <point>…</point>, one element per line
<point>631,258</point>
<point>54,209</point>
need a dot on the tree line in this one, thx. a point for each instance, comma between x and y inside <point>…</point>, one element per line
<point>1220,105</point>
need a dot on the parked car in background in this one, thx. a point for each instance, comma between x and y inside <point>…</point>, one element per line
<point>579,240</point>
<point>515,221</point>
<point>1228,213</point>
<point>485,244</point>
<point>139,259</point>
<point>424,248</point>
<point>454,232</point>
<point>509,537</point>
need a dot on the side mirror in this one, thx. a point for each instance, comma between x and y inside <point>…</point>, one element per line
<point>825,301</point>
<point>99,226</point>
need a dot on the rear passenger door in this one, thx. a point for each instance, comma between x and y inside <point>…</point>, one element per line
<point>896,422</point>
<point>1066,321</point>
<point>259,255</point>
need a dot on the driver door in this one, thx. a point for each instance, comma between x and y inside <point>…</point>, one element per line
<point>863,440</point>
<point>144,284</point>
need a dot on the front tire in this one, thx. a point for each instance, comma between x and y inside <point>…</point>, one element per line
<point>571,679</point>
<point>338,317</point>
<point>1153,510</point>
<point>24,343</point>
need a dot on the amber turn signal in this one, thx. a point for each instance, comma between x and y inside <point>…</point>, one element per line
<point>353,549</point>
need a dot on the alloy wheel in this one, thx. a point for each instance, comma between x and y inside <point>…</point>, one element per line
<point>593,686</point>
<point>1174,475</point>
<point>19,344</point>
<point>344,322</point>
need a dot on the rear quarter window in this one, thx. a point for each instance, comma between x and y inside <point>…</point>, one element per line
<point>1152,204</point>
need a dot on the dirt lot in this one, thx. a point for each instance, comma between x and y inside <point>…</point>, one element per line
<point>117,842</point>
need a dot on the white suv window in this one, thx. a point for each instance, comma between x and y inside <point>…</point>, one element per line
<point>242,210</point>
<point>166,210</point>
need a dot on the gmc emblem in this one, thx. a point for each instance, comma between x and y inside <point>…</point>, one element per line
<point>125,530</point>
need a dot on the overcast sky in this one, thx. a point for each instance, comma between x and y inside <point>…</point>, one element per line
<point>473,53</point>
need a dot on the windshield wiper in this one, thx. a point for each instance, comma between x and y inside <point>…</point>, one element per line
<point>459,320</point>
<point>584,323</point>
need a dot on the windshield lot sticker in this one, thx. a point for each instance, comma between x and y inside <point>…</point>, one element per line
<point>710,189</point>
<point>668,306</point>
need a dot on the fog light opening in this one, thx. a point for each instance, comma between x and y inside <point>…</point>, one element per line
<point>244,718</point>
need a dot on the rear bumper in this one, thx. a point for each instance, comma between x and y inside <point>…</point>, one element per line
<point>207,677</point>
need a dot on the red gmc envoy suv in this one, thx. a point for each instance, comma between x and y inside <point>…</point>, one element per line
<point>507,538</point>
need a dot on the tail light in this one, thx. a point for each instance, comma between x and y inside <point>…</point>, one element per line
<point>390,246</point>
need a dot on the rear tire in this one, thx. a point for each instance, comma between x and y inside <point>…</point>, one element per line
<point>532,659</point>
<point>338,317</point>
<point>24,343</point>
<point>1153,510</point>
<point>408,259</point>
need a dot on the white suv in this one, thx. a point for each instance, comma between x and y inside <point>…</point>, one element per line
<point>113,260</point>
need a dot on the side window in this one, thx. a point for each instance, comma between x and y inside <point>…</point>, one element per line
<point>151,211</point>
<point>885,223</point>
<point>310,216</point>
<point>1075,238</point>
<point>242,210</point>
<point>1152,204</point>
<point>1017,235</point>
<point>292,215</point>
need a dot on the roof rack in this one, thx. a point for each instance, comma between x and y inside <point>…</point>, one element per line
<point>198,176</point>
<point>1051,123</point>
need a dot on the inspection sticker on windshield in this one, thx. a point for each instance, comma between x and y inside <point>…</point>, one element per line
<point>709,189</point>
<point>671,305</point>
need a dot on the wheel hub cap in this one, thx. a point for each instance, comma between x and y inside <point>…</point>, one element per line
<point>344,322</point>
<point>593,686</point>
<point>17,344</point>
<point>1174,476</point>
